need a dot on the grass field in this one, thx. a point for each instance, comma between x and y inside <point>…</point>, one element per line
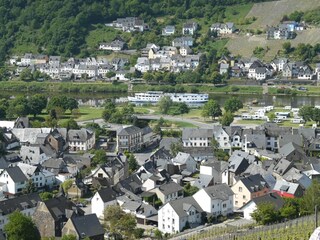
<point>244,45</point>
<point>270,13</point>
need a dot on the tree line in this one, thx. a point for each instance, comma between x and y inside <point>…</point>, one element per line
<point>60,27</point>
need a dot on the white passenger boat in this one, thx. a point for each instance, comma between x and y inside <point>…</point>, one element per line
<point>155,96</point>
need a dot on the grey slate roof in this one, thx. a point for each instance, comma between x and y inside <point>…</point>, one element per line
<point>16,174</point>
<point>58,207</point>
<point>196,133</point>
<point>282,166</point>
<point>169,188</point>
<point>181,158</point>
<point>181,206</point>
<point>289,148</point>
<point>109,194</point>
<point>130,131</point>
<point>273,198</point>
<point>220,191</point>
<point>167,141</point>
<point>254,183</point>
<point>79,135</point>
<point>19,203</point>
<point>203,181</point>
<point>87,225</point>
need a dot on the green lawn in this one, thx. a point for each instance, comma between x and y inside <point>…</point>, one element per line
<point>101,33</point>
<point>180,124</point>
<point>89,113</point>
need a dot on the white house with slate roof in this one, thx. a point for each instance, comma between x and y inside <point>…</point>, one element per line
<point>174,215</point>
<point>14,179</point>
<point>168,192</point>
<point>217,199</point>
<point>81,140</point>
<point>26,204</point>
<point>197,137</point>
<point>102,199</point>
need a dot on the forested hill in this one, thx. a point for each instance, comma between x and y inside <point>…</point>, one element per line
<point>60,26</point>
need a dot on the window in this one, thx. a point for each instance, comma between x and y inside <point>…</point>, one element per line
<point>244,196</point>
<point>212,205</point>
<point>240,189</point>
<point>236,202</point>
<point>224,205</point>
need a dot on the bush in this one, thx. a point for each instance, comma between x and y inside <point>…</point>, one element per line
<point>235,89</point>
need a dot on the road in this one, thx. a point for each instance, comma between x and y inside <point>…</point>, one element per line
<point>101,122</point>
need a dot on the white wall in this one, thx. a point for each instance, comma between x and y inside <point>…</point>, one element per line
<point>248,209</point>
<point>166,217</point>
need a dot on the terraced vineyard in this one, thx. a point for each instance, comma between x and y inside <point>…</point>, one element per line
<point>298,229</point>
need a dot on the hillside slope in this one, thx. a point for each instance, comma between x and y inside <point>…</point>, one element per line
<point>270,13</point>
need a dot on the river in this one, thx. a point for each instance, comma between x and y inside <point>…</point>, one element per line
<point>262,100</point>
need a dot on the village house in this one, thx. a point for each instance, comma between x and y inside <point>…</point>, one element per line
<point>51,215</point>
<point>196,137</point>
<point>129,24</point>
<point>129,139</point>
<point>189,28</point>
<point>168,30</point>
<point>216,200</point>
<point>104,198</point>
<point>81,140</point>
<point>185,162</point>
<point>116,45</point>
<point>182,41</point>
<point>223,28</point>
<point>13,180</point>
<point>251,206</point>
<point>87,226</point>
<point>25,204</point>
<point>175,215</point>
<point>168,192</point>
<point>248,188</point>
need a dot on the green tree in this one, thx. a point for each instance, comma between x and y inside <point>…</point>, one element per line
<point>226,119</point>
<point>286,47</point>
<point>21,227</point>
<point>100,157</point>
<point>233,104</point>
<point>158,234</point>
<point>211,109</point>
<point>272,116</point>
<point>70,124</point>
<point>132,162</point>
<point>37,103</point>
<point>66,185</point>
<point>265,213</point>
<point>189,190</point>
<point>316,115</point>
<point>30,187</point>
<point>26,75</point>
<point>118,223</point>
<point>46,196</point>
<point>109,109</point>
<point>306,112</point>
<point>164,104</point>
<point>71,104</point>
<point>175,148</point>
<point>311,198</point>
<point>290,209</point>
<point>110,74</point>
<point>69,237</point>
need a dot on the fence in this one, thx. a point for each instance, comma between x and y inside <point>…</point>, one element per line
<point>300,228</point>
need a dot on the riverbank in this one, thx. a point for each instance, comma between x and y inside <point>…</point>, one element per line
<point>63,87</point>
<point>104,87</point>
